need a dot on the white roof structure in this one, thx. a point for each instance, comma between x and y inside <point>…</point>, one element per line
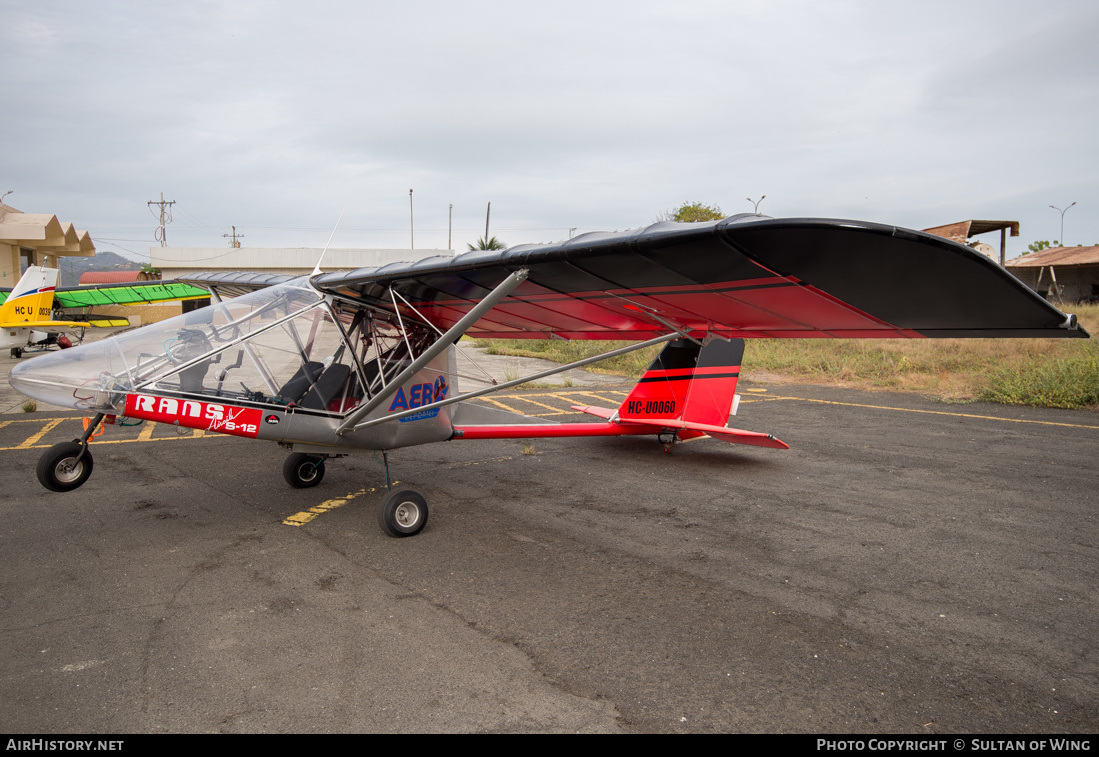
<point>179,261</point>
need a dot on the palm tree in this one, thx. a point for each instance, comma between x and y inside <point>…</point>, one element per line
<point>492,244</point>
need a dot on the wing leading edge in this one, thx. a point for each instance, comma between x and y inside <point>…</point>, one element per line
<point>746,276</point>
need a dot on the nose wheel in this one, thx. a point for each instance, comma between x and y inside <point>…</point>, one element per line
<point>64,467</point>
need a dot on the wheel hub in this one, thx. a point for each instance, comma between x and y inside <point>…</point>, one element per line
<point>68,470</point>
<point>407,514</point>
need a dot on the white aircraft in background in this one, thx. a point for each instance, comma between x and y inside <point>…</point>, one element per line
<point>26,317</point>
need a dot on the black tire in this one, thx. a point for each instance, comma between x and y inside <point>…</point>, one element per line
<point>60,471</point>
<point>303,471</point>
<point>402,513</point>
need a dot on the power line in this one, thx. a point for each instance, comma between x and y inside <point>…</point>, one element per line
<point>199,223</point>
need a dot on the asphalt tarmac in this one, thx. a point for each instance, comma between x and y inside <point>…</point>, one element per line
<point>906,567</point>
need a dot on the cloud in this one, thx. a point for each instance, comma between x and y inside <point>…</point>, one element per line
<point>590,115</point>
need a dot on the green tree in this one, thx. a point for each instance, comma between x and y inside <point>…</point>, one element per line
<point>689,212</point>
<point>1039,246</point>
<point>492,244</point>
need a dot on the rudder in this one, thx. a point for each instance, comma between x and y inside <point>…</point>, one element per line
<point>32,298</point>
<point>688,382</point>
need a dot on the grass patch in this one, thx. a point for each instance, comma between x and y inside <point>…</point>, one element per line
<point>1040,372</point>
<point>1071,381</point>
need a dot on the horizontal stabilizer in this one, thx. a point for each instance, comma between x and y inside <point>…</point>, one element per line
<point>598,412</point>
<point>732,435</point>
<point>686,429</point>
<point>550,431</point>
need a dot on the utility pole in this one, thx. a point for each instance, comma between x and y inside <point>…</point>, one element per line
<point>161,233</point>
<point>411,222</point>
<point>487,214</point>
<point>450,227</point>
<point>235,236</point>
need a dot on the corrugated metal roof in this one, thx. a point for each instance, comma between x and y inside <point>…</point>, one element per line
<point>963,230</point>
<point>983,227</point>
<point>109,277</point>
<point>1062,256</point>
<point>956,232</point>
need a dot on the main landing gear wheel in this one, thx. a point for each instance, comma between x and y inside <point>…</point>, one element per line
<point>62,468</point>
<point>402,513</point>
<point>303,471</point>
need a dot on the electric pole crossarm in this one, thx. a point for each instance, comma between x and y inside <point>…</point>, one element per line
<point>165,217</point>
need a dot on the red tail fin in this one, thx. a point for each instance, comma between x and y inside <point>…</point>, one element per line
<point>688,382</point>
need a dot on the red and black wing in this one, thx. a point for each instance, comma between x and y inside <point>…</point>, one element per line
<point>745,276</point>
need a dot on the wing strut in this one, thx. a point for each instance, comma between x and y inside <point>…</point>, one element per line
<point>508,384</point>
<point>452,335</point>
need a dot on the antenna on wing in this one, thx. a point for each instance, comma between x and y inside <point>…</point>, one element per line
<point>317,267</point>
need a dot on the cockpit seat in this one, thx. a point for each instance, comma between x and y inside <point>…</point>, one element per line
<point>294,389</point>
<point>327,387</point>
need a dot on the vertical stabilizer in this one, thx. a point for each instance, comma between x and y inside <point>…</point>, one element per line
<point>688,382</point>
<point>32,298</point>
<point>712,393</point>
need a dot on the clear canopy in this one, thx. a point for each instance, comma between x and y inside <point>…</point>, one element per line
<point>258,340</point>
<point>282,345</point>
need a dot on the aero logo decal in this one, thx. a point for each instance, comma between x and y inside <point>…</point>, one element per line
<point>418,396</point>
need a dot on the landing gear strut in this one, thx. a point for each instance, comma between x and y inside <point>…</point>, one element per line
<point>401,512</point>
<point>66,466</point>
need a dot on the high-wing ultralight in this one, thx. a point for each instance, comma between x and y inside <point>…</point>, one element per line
<point>27,311</point>
<point>365,360</point>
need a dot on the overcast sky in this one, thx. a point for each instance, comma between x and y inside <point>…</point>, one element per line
<point>273,116</point>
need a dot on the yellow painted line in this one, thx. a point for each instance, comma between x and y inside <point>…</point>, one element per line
<point>49,426</point>
<point>146,432</point>
<point>597,396</point>
<point>41,419</point>
<point>933,412</point>
<point>30,443</point>
<point>511,409</point>
<point>300,519</point>
<point>536,402</point>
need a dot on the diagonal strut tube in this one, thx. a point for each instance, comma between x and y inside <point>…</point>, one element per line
<point>452,335</point>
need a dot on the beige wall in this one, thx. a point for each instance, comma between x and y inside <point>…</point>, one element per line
<point>9,265</point>
<point>146,313</point>
<point>42,234</point>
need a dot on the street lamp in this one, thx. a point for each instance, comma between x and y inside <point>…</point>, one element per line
<point>756,203</point>
<point>1062,212</point>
